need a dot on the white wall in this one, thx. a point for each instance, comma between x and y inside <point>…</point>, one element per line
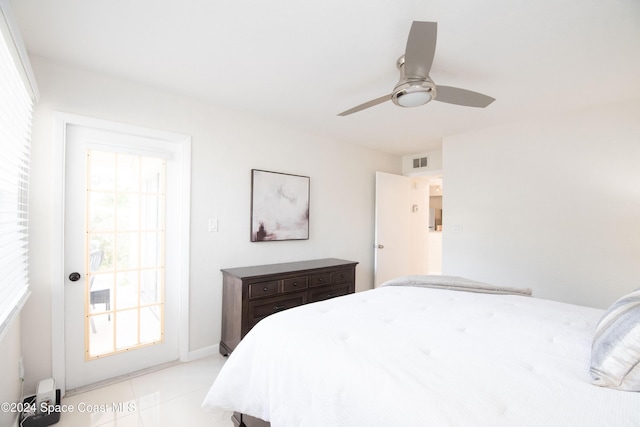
<point>10,384</point>
<point>549,203</point>
<point>226,145</point>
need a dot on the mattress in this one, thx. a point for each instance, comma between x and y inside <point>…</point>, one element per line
<point>399,356</point>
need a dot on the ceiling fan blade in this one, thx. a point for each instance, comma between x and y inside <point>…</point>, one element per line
<point>366,105</point>
<point>421,48</point>
<point>454,95</point>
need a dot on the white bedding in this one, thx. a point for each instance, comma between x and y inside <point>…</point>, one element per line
<point>407,356</point>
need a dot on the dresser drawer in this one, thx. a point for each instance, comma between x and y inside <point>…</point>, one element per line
<point>320,279</point>
<point>264,289</point>
<point>295,284</point>
<point>260,309</point>
<point>343,276</point>
<point>320,294</point>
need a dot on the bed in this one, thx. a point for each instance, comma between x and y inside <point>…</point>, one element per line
<point>418,352</point>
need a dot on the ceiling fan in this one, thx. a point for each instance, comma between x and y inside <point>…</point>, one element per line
<point>415,87</point>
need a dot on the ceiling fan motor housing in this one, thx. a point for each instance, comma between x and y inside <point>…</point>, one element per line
<point>412,91</point>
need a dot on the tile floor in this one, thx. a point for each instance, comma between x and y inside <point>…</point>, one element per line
<point>169,397</point>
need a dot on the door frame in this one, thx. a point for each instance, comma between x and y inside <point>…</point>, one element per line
<point>60,122</point>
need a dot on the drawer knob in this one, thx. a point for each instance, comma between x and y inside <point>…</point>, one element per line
<point>321,280</point>
<point>279,307</point>
<point>342,275</point>
<point>265,289</point>
<point>295,283</point>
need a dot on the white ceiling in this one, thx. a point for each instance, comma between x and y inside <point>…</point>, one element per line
<point>303,62</point>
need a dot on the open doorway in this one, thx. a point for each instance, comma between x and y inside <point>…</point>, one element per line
<point>426,224</point>
<point>434,236</point>
<point>404,243</point>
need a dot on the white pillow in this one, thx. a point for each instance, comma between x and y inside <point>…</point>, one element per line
<point>615,352</point>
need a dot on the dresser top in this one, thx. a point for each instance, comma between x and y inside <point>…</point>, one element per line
<point>287,267</point>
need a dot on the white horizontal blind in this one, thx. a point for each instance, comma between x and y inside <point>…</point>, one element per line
<point>15,136</point>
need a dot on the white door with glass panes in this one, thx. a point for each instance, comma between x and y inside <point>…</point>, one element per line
<point>121,237</point>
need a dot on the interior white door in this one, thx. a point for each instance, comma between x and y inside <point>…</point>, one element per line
<point>392,227</point>
<point>121,237</point>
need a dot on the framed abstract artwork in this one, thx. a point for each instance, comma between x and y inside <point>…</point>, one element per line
<point>279,206</point>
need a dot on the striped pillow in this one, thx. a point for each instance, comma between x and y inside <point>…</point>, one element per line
<point>615,352</point>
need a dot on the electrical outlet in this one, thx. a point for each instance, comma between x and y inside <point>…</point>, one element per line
<point>213,225</point>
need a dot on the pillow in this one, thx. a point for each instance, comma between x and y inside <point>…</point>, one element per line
<point>615,352</point>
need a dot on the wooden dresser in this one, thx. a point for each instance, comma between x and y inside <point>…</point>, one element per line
<point>249,294</point>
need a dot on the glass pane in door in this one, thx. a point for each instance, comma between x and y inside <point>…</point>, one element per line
<point>124,304</point>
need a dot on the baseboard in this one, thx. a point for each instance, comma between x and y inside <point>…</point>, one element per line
<point>120,378</point>
<point>202,352</point>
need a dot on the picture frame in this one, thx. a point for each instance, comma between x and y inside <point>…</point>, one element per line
<point>279,206</point>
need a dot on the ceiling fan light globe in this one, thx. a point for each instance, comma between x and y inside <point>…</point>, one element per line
<point>413,99</point>
<point>413,93</point>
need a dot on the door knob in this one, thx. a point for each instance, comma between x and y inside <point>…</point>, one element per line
<point>74,277</point>
<point>380,246</point>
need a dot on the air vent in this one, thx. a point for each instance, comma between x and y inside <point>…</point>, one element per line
<point>420,162</point>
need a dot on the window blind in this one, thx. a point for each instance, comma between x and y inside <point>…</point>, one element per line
<point>15,135</point>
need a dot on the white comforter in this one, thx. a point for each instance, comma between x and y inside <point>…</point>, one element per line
<point>407,356</point>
